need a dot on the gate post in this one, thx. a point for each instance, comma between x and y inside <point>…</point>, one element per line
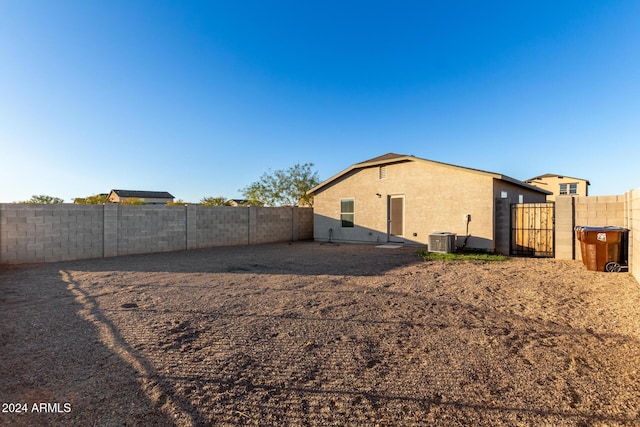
<point>502,227</point>
<point>565,225</point>
<point>110,229</point>
<point>192,226</point>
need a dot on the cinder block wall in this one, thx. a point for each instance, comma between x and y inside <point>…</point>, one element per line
<point>48,233</point>
<point>633,220</point>
<point>503,226</point>
<point>598,211</point>
<point>151,228</point>
<point>565,227</point>
<point>273,225</point>
<point>305,224</point>
<point>222,226</point>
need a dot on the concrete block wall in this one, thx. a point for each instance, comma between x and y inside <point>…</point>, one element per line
<point>273,224</point>
<point>502,237</point>
<point>633,221</point>
<point>305,223</point>
<point>593,211</point>
<point>151,228</point>
<point>48,233</point>
<point>565,227</point>
<point>222,226</point>
<point>110,227</point>
<point>598,211</point>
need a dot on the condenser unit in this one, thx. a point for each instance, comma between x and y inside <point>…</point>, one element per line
<point>443,242</point>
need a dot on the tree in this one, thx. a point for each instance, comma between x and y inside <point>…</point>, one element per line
<point>284,187</point>
<point>214,201</point>
<point>178,202</point>
<point>47,200</point>
<point>98,199</point>
<point>132,201</point>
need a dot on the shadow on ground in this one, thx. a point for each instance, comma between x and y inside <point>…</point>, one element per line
<point>62,360</point>
<point>302,258</point>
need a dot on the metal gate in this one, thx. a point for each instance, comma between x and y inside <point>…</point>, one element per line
<point>532,229</point>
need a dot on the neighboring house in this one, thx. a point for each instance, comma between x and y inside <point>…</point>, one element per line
<point>147,197</point>
<point>400,198</point>
<point>238,202</point>
<point>560,185</point>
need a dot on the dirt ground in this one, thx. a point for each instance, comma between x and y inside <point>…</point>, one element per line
<point>311,334</point>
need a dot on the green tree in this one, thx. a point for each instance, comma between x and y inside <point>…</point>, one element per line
<point>43,199</point>
<point>98,199</point>
<point>285,187</point>
<point>178,202</point>
<point>132,201</point>
<point>214,201</point>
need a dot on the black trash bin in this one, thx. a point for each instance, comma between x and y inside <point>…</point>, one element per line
<point>602,248</point>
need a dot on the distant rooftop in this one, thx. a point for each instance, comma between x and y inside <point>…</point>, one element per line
<point>143,194</point>
<point>553,175</point>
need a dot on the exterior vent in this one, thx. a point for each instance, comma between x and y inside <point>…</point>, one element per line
<point>382,172</point>
<point>442,242</point>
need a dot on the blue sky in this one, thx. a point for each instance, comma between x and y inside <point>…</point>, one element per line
<point>201,98</point>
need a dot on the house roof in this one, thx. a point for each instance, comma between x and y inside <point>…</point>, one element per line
<point>553,175</point>
<point>143,194</point>
<point>385,157</point>
<point>401,158</point>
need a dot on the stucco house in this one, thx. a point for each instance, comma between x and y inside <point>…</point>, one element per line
<point>404,199</point>
<point>238,202</point>
<point>147,197</point>
<point>560,185</point>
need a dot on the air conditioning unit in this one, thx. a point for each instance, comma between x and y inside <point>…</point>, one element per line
<point>442,241</point>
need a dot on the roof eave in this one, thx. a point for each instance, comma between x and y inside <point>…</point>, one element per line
<point>406,158</point>
<point>363,165</point>
<point>524,184</point>
<point>550,175</point>
<point>146,194</point>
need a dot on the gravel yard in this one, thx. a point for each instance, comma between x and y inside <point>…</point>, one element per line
<point>311,334</point>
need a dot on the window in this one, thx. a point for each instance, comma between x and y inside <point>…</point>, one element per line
<point>382,172</point>
<point>504,195</point>
<point>347,212</point>
<point>569,188</point>
<point>520,198</point>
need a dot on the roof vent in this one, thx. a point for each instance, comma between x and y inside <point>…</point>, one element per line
<point>442,242</point>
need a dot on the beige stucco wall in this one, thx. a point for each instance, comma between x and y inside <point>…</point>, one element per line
<point>516,193</point>
<point>147,200</point>
<point>552,183</point>
<point>437,198</point>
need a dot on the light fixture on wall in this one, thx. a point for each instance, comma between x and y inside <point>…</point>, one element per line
<point>379,195</point>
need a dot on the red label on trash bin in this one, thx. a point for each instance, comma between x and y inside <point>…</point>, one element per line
<point>602,237</point>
